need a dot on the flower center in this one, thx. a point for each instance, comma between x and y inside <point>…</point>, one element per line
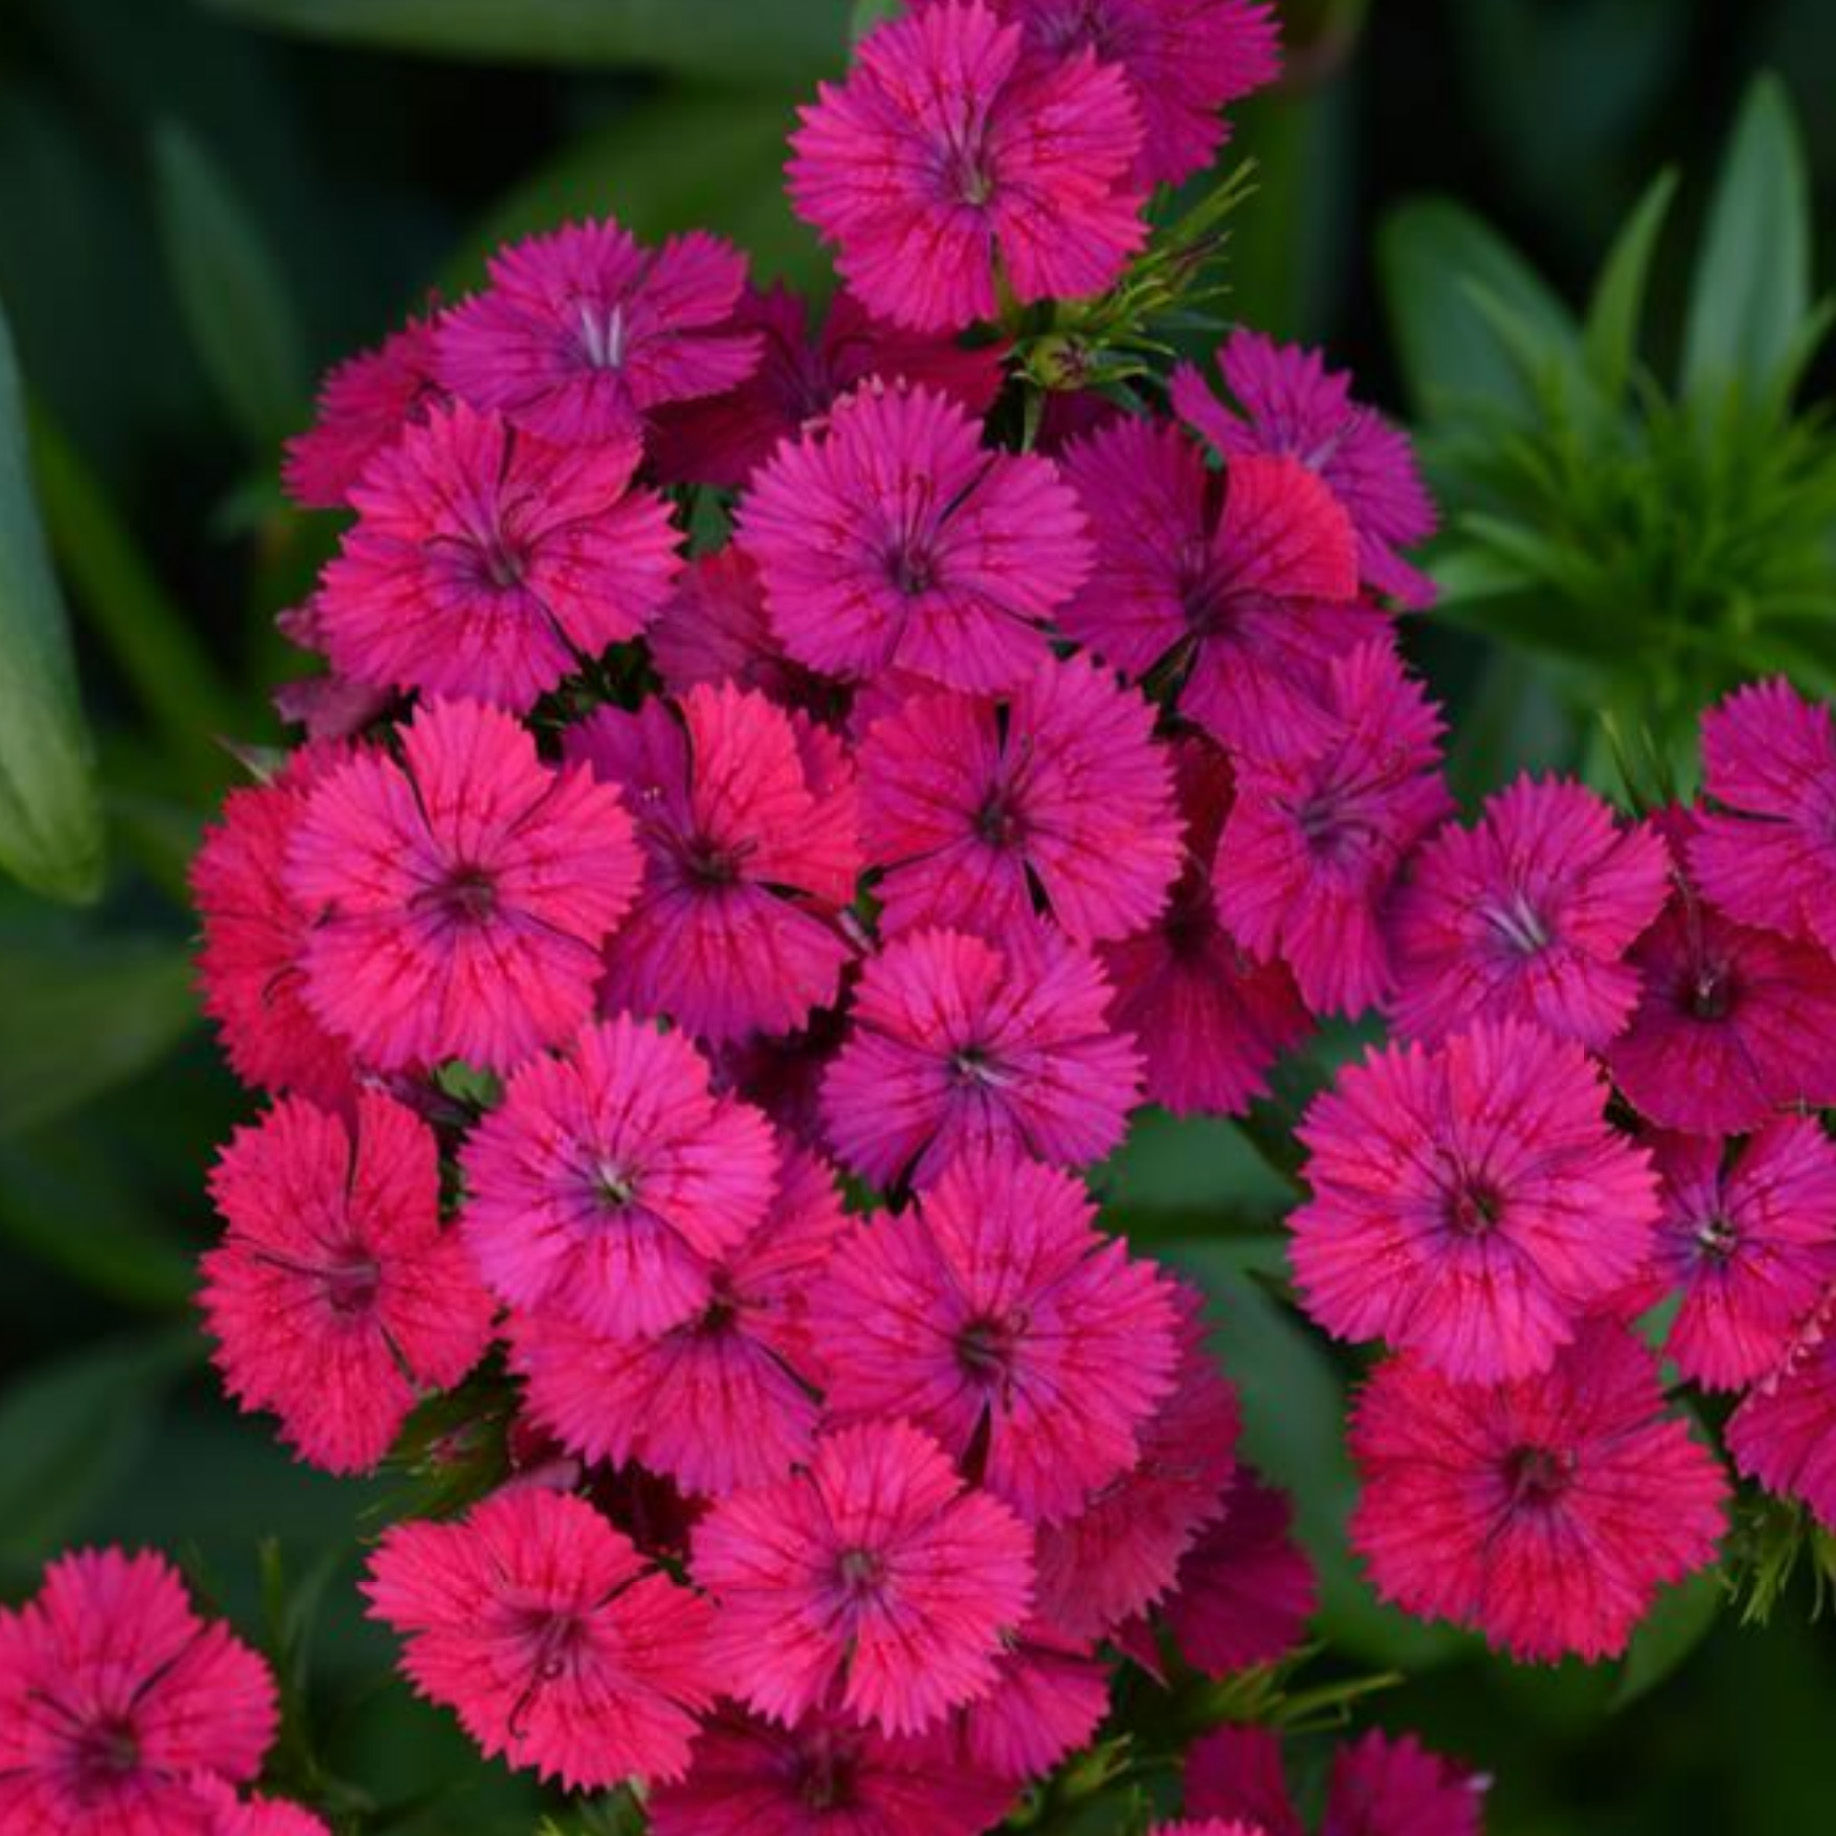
<point>1537,1476</point>
<point>1718,1238</point>
<point>603,334</point>
<point>106,1752</point>
<point>860,1572</point>
<point>613,1185</point>
<point>912,569</point>
<point>974,1065</point>
<point>502,563</point>
<point>708,863</point>
<point>351,1287</point>
<point>1474,1209</point>
<point>1519,923</point>
<point>468,895</point>
<point>998,822</point>
<point>985,1348</point>
<point>1709,994</point>
<point>826,1772</point>
<point>968,176</point>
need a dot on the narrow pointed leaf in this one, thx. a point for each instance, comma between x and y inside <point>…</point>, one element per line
<point>1618,304</point>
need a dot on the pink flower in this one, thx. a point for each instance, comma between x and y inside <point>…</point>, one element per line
<point>226,1815</point>
<point>1207,1826</point>
<point>892,538</point>
<point>746,816</point>
<point>1749,1238</point>
<point>610,1181</point>
<point>1546,1512</point>
<point>1050,1699</point>
<point>975,807</point>
<point>1210,1020</point>
<point>872,1573</point>
<point>728,1398</point>
<point>1185,60</point>
<point>1315,839</point>
<point>115,1697</point>
<point>958,1044</point>
<point>1293,406</point>
<point>1734,1024</point>
<point>488,564</point>
<point>1244,587</point>
<point>714,629</point>
<point>1784,1433</point>
<point>1237,1773</point>
<point>458,899</point>
<point>1121,1554</point>
<point>336,1298</point>
<point>1470,1203</point>
<point>948,157</point>
<point>366,405</point>
<point>545,1630</point>
<point>723,439</point>
<point>824,1776</point>
<point>255,933</point>
<point>582,333</point>
<point>1527,916</point>
<point>996,1317</point>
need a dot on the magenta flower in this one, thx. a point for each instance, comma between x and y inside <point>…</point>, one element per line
<point>746,817</point>
<point>726,1399</point>
<point>1060,791</point>
<point>873,1573</point>
<point>1293,406</point>
<point>1208,1826</point>
<point>1750,1241</point>
<point>1049,1701</point>
<point>826,1776</point>
<point>1315,839</point>
<point>1527,916</point>
<point>949,163</point>
<point>547,1632</point>
<point>1784,1432</point>
<point>995,1316</point>
<point>713,629</point>
<point>892,538</point>
<point>336,1299</point>
<point>226,1815</point>
<point>1470,1203</point>
<point>610,1181</point>
<point>723,439</point>
<point>1236,1774</point>
<point>117,1700</point>
<point>1244,587</point>
<point>1185,61</point>
<point>367,404</point>
<point>959,1044</point>
<point>1210,1019</point>
<point>485,563</point>
<point>1733,1025</point>
<point>1545,1513</point>
<point>583,333</point>
<point>457,900</point>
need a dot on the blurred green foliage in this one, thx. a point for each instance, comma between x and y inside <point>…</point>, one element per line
<point>202,202</point>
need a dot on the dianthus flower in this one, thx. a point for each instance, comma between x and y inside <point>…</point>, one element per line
<point>227,1815</point>
<point>722,439</point>
<point>336,1298</point>
<point>1546,1512</point>
<point>1748,1236</point>
<point>713,628</point>
<point>1316,837</point>
<point>746,817</point>
<point>1243,587</point>
<point>1784,1433</point>
<point>1209,1018</point>
<point>1469,1202</point>
<point>890,537</point>
<point>1734,1024</point>
<point>958,1044</point>
<point>116,1698</point>
<point>1185,61</point>
<point>610,1180</point>
<point>994,1315</point>
<point>582,333</point>
<point>1294,407</point>
<point>950,160</point>
<point>973,807</point>
<point>873,1573</point>
<point>825,1776</point>
<point>255,931</point>
<point>488,564</point>
<point>1048,1701</point>
<point>1526,916</point>
<point>365,406</point>
<point>1121,1554</point>
<point>727,1398</point>
<point>1237,1773</point>
<point>457,899</point>
<point>557,1645</point>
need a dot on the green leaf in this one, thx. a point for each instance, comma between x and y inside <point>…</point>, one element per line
<point>1751,293</point>
<point>685,160</point>
<point>1675,1627</point>
<point>747,41</point>
<point>236,302</point>
<point>73,1429</point>
<point>78,1017</point>
<point>50,815</point>
<point>1611,338</point>
<point>1432,254</point>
